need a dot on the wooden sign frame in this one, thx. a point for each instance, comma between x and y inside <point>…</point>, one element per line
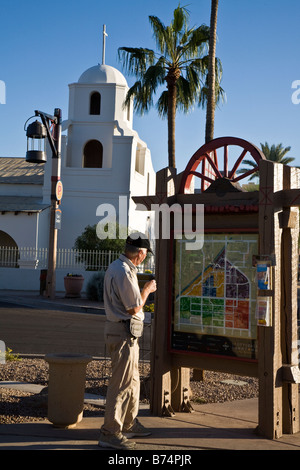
<point>273,211</point>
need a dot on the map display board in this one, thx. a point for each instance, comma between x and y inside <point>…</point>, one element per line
<point>215,296</point>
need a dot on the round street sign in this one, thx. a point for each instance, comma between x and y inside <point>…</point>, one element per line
<point>59,190</point>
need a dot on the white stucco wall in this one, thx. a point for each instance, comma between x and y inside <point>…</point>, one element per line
<point>21,227</point>
<point>112,96</point>
<point>29,279</point>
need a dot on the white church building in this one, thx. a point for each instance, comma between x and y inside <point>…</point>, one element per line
<point>103,161</point>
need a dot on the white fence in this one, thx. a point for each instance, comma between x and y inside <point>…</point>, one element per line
<point>37,258</point>
<point>90,260</point>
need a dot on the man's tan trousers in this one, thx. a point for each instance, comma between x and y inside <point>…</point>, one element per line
<point>123,393</point>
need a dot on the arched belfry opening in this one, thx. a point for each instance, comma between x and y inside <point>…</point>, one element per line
<point>93,154</point>
<point>95,103</point>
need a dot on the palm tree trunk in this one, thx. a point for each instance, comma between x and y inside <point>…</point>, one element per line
<point>211,99</point>
<point>171,79</point>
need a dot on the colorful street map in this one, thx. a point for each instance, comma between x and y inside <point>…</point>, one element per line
<point>215,289</point>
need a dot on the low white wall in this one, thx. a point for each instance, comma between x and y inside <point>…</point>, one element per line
<point>29,279</point>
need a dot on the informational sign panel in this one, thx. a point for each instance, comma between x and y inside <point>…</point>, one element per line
<point>57,219</point>
<point>214,302</point>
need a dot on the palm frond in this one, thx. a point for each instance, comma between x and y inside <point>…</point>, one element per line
<point>136,60</point>
<point>287,160</point>
<point>154,75</point>
<point>160,33</point>
<point>251,163</point>
<point>220,95</point>
<point>193,44</point>
<point>192,74</point>
<point>199,40</point>
<point>186,93</point>
<point>276,153</point>
<point>162,104</point>
<point>143,91</point>
<point>180,19</point>
<point>142,97</point>
<point>200,65</point>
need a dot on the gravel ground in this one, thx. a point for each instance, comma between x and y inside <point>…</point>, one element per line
<point>18,406</point>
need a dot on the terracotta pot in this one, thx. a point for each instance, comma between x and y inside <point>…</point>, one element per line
<point>73,285</point>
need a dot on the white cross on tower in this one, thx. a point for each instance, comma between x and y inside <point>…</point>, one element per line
<point>103,50</point>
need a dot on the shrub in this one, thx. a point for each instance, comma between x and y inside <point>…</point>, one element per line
<point>149,307</point>
<point>94,288</point>
<point>10,356</point>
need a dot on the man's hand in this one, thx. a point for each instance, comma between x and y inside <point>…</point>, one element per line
<point>150,286</point>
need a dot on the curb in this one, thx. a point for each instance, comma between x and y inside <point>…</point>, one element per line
<point>52,305</point>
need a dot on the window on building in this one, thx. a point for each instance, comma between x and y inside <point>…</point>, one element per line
<point>140,160</point>
<point>93,154</point>
<point>95,103</point>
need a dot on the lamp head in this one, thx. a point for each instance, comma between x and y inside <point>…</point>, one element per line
<point>36,134</point>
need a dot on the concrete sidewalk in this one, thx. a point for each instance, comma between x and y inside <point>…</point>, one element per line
<point>218,426</point>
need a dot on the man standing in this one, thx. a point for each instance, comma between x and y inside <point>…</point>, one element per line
<point>123,301</point>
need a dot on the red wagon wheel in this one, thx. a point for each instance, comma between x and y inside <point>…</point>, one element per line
<point>207,155</point>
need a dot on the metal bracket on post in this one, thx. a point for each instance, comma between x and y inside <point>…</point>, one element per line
<point>167,408</point>
<point>186,406</point>
<point>290,374</point>
<point>45,120</point>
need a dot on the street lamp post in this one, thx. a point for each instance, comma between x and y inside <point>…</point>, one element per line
<point>38,131</point>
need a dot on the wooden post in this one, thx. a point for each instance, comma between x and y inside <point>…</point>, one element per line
<point>180,381</point>
<point>289,337</point>
<point>166,392</point>
<point>269,351</point>
<point>160,401</point>
<point>161,360</point>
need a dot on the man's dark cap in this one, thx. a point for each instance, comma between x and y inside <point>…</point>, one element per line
<point>139,240</point>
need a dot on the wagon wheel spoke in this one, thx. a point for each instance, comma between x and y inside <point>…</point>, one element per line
<point>237,163</point>
<point>214,160</point>
<point>202,176</point>
<point>213,165</point>
<point>225,174</point>
<point>245,175</point>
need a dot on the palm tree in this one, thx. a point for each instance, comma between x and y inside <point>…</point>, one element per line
<point>275,153</point>
<point>182,50</point>
<point>211,76</point>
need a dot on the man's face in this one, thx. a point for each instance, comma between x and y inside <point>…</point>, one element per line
<point>141,256</point>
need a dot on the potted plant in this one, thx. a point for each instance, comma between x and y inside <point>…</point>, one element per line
<point>73,284</point>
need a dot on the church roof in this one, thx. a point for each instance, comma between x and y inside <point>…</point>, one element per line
<point>15,170</point>
<point>102,74</point>
<point>21,204</point>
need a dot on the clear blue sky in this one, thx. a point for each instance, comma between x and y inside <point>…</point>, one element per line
<point>44,46</point>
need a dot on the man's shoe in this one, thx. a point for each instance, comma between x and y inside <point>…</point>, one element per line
<point>137,430</point>
<point>115,441</point>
